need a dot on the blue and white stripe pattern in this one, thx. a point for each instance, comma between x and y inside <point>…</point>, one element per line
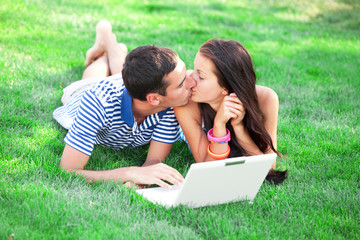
<point>102,114</point>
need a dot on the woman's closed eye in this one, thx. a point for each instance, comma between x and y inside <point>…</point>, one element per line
<point>197,76</point>
<point>200,76</point>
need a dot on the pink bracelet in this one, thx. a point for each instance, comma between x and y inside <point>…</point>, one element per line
<point>220,140</point>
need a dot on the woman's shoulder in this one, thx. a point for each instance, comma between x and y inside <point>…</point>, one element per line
<point>189,111</point>
<point>191,106</point>
<point>266,96</point>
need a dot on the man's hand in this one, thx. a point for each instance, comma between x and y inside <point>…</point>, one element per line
<point>154,171</point>
<point>156,174</point>
<point>150,173</point>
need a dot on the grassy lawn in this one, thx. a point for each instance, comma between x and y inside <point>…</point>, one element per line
<point>308,51</point>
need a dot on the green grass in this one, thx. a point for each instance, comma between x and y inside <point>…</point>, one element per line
<point>307,51</point>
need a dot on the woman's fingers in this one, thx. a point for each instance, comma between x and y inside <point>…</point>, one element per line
<point>229,109</point>
<point>237,112</point>
<point>233,98</point>
<point>238,107</point>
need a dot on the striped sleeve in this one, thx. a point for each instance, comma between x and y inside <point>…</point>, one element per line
<point>167,130</point>
<point>90,118</point>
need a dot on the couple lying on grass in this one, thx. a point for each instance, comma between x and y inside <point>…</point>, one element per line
<point>132,99</point>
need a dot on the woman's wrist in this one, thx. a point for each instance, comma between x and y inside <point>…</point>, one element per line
<point>240,132</point>
<point>219,129</point>
<point>218,122</point>
<point>239,128</point>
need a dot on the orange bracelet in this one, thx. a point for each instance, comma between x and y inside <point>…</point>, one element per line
<point>218,156</point>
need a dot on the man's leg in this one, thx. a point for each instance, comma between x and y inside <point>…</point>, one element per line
<point>98,69</point>
<point>105,58</point>
<point>109,55</point>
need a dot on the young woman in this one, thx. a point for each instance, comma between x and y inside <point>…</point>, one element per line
<point>239,117</point>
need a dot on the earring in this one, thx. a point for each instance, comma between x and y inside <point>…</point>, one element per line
<point>223,92</point>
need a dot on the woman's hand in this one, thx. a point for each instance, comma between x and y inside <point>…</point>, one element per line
<point>230,108</point>
<point>240,112</point>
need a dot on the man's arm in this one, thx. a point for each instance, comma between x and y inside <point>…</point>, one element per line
<point>74,161</point>
<point>157,153</point>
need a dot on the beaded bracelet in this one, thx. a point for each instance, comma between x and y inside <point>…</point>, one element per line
<point>218,156</point>
<point>219,140</point>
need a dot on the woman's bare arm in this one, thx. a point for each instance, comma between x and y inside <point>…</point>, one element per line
<point>190,121</point>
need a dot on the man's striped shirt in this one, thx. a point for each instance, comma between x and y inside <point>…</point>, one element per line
<point>102,114</point>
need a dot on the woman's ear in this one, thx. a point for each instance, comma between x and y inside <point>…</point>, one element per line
<point>225,92</point>
<point>153,99</point>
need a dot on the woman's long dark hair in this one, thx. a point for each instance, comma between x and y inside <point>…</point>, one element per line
<point>235,72</point>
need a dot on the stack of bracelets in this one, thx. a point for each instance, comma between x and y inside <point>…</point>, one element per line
<point>220,140</point>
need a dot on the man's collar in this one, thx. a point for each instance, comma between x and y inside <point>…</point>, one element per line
<point>127,113</point>
<point>126,108</point>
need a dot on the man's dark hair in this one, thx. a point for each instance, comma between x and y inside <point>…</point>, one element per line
<point>145,69</point>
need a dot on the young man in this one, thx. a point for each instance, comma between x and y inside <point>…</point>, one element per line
<point>118,112</point>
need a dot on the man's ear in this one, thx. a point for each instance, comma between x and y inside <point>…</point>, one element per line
<point>153,98</point>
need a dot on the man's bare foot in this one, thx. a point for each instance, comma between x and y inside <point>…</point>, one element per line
<point>103,31</point>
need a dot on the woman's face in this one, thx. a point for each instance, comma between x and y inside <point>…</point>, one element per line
<point>207,89</point>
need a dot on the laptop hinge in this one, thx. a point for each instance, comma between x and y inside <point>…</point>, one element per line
<point>235,162</point>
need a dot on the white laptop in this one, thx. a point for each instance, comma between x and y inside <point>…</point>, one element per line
<point>216,182</point>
